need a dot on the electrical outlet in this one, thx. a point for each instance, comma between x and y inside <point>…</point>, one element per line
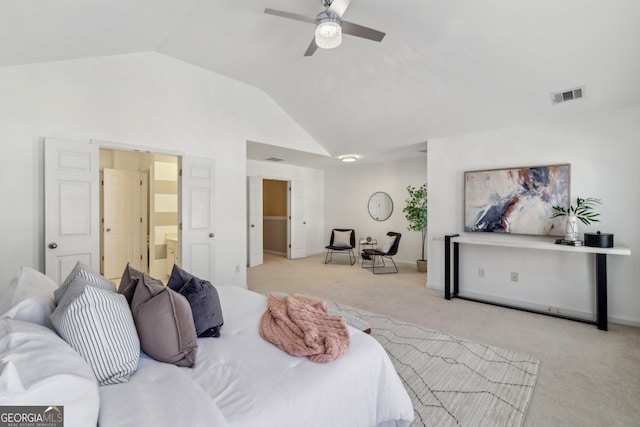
<point>481,272</point>
<point>514,276</point>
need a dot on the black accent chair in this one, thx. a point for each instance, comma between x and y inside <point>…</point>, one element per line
<point>373,255</point>
<point>341,244</point>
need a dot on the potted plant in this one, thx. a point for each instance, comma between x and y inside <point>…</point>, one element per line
<point>583,211</point>
<point>416,213</point>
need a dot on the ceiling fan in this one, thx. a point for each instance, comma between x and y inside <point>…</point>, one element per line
<point>330,26</point>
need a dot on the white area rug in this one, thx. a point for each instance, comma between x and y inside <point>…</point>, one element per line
<point>453,381</point>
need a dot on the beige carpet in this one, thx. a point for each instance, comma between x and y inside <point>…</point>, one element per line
<point>587,377</point>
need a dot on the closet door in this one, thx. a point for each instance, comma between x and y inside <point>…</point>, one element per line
<point>297,223</point>
<point>197,217</point>
<point>72,206</point>
<point>255,229</point>
<point>122,219</point>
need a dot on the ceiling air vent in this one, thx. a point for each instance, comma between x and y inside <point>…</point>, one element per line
<point>567,95</point>
<point>274,159</point>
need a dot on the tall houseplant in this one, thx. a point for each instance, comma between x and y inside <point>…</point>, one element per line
<point>416,213</point>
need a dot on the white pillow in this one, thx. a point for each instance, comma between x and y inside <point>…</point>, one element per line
<point>158,394</point>
<point>38,368</point>
<point>342,238</point>
<point>386,247</point>
<point>29,297</point>
<point>85,272</point>
<point>98,324</point>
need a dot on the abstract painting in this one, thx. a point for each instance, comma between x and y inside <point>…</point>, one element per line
<point>516,200</point>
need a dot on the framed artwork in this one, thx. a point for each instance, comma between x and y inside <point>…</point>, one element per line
<point>516,200</point>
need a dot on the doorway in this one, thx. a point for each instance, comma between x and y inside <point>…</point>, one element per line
<point>139,212</point>
<point>274,219</point>
<point>277,211</point>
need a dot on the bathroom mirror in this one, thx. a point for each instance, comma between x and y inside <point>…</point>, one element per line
<point>380,206</point>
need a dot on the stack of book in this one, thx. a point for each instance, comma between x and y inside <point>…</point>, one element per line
<point>569,242</point>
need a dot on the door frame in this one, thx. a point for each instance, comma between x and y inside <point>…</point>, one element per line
<point>146,190</point>
<point>273,178</point>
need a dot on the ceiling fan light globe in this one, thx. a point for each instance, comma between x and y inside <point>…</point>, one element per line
<point>328,34</point>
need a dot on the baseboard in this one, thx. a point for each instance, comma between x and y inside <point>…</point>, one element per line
<point>274,252</point>
<point>539,307</point>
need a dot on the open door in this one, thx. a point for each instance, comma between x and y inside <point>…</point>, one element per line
<point>297,234</point>
<point>72,206</point>
<point>255,232</point>
<point>197,217</point>
<point>122,219</point>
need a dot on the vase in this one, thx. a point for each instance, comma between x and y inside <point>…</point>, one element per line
<point>571,228</point>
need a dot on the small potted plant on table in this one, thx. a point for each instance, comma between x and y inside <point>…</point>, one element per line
<point>583,211</point>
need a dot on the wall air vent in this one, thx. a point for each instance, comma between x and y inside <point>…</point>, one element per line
<point>274,159</point>
<point>567,95</point>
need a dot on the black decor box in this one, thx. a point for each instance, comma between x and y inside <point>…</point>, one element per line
<point>598,240</point>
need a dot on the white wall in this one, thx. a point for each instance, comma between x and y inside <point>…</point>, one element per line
<point>603,150</point>
<point>347,192</point>
<point>142,99</point>
<point>313,196</point>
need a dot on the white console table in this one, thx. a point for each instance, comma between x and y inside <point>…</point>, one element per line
<point>600,259</point>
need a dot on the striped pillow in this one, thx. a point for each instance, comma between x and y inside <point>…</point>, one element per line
<point>98,324</point>
<point>85,272</point>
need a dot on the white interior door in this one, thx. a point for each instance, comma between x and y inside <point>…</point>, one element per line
<point>72,203</point>
<point>297,233</point>
<point>122,219</point>
<point>197,217</point>
<point>255,233</point>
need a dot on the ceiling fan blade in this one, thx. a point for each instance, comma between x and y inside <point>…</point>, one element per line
<point>290,15</point>
<point>360,31</point>
<point>338,7</point>
<point>312,47</point>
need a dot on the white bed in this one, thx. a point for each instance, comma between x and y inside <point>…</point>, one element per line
<point>238,380</point>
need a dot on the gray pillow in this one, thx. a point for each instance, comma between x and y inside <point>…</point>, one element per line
<point>165,323</point>
<point>203,299</point>
<point>84,271</point>
<point>98,324</point>
<point>128,282</point>
<point>386,247</point>
<point>342,239</point>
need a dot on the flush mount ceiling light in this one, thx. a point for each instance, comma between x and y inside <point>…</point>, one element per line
<point>328,32</point>
<point>348,158</point>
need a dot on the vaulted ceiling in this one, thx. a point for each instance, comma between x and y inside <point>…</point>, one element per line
<point>444,67</point>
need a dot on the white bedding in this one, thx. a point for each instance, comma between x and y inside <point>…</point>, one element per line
<point>255,383</point>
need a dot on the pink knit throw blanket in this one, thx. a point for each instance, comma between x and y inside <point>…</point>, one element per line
<point>302,326</point>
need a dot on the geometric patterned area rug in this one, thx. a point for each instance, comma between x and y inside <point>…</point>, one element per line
<point>453,381</point>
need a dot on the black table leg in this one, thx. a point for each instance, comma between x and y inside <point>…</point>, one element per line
<point>456,269</point>
<point>447,267</point>
<point>601,291</point>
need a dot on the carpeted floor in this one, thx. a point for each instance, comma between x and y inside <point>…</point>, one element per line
<point>587,377</point>
<point>453,381</point>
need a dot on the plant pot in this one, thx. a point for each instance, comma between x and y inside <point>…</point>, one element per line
<point>571,228</point>
<point>421,264</point>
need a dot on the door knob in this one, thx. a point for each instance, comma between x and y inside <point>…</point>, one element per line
<point>107,230</point>
<point>211,235</point>
<point>252,225</point>
<point>53,245</point>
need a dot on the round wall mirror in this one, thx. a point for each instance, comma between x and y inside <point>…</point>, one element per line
<point>380,206</point>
